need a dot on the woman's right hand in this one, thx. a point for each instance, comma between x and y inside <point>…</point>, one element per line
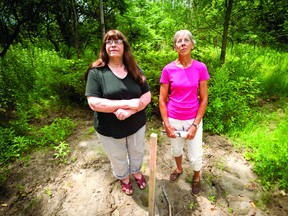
<point>134,103</point>
<point>170,131</point>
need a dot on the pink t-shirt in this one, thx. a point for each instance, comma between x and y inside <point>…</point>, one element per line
<point>183,100</point>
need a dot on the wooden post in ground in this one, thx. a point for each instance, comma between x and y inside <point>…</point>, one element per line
<point>152,165</point>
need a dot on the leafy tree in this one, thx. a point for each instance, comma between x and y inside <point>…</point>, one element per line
<point>261,22</point>
<point>69,25</point>
<point>19,18</point>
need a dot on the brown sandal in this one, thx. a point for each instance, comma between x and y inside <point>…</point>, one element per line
<point>174,176</point>
<point>195,187</point>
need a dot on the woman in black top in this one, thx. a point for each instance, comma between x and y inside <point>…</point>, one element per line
<point>118,93</point>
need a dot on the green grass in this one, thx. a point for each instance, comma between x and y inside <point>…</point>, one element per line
<point>265,141</point>
<point>268,66</point>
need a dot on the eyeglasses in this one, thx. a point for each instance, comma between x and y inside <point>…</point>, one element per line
<point>116,42</point>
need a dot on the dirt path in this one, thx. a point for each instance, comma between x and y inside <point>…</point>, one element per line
<point>85,186</point>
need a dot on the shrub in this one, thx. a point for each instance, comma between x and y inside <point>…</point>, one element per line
<point>17,79</point>
<point>6,140</point>
<point>230,101</point>
<point>52,134</point>
<point>13,146</point>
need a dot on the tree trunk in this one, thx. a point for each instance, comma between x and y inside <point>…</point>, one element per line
<point>11,40</point>
<point>102,18</point>
<point>225,31</point>
<point>75,29</point>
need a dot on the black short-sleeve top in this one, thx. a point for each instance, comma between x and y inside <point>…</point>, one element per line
<point>103,83</point>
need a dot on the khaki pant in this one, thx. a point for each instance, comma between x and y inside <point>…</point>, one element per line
<point>125,154</point>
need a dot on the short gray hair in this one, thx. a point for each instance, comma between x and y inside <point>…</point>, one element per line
<point>181,32</point>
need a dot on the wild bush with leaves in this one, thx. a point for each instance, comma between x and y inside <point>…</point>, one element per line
<point>52,134</point>
<point>33,83</point>
<point>230,101</point>
<point>13,146</point>
<point>6,141</point>
<point>32,76</point>
<point>17,79</point>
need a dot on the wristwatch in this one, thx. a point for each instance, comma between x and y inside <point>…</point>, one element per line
<point>197,126</point>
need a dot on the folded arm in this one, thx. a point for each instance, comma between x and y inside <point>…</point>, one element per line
<point>109,106</point>
<point>120,106</point>
<point>122,113</point>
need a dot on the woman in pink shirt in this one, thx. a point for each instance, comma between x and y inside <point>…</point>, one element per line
<point>183,101</point>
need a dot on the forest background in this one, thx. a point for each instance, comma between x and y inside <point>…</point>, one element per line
<point>46,46</point>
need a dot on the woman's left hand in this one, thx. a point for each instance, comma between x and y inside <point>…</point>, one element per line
<point>191,133</point>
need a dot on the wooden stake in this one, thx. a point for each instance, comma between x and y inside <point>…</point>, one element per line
<point>152,165</point>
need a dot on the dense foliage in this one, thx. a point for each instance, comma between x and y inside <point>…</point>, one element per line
<point>46,47</point>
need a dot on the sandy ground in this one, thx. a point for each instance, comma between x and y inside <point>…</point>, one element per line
<point>85,185</point>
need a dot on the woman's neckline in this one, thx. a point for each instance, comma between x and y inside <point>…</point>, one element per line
<point>119,71</point>
<point>180,64</point>
<point>113,65</point>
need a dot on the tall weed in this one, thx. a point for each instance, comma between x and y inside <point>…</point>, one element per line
<point>268,66</point>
